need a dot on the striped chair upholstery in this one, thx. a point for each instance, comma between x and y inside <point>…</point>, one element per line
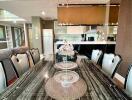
<point>128,81</point>
<point>96,54</point>
<point>2,78</point>
<point>110,64</point>
<point>35,55</point>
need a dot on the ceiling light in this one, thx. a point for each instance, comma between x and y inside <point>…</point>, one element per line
<point>43,13</point>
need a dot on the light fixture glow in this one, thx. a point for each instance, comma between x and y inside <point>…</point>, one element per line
<point>43,13</point>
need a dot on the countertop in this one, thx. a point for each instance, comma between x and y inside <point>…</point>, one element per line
<point>87,42</point>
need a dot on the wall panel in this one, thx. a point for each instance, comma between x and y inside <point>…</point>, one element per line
<point>124,36</point>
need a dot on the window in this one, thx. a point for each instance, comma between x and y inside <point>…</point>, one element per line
<point>2,33</point>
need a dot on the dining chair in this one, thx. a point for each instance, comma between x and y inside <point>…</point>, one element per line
<point>115,64</point>
<point>96,55</point>
<point>30,59</point>
<point>128,81</point>
<point>10,71</point>
<point>21,63</point>
<point>2,78</point>
<point>35,55</point>
<point>110,64</point>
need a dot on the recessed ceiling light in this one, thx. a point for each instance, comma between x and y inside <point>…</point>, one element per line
<point>43,13</point>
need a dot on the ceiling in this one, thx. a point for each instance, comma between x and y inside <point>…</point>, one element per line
<point>27,8</point>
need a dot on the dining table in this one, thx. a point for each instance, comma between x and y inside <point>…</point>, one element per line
<point>35,84</point>
<point>65,65</point>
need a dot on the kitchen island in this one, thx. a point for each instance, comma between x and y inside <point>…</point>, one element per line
<point>86,47</point>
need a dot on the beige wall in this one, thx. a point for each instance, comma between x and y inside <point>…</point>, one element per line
<point>37,33</point>
<point>124,36</point>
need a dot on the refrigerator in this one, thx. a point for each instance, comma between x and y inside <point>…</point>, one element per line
<point>48,41</point>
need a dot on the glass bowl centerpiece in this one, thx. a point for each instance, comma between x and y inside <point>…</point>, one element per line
<point>66,77</point>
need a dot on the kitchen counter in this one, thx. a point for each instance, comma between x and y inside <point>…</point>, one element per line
<point>87,42</point>
<point>86,47</point>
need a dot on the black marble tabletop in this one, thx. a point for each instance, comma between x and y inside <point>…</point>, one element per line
<point>31,86</point>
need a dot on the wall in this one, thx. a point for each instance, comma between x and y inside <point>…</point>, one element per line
<point>124,36</point>
<point>37,33</point>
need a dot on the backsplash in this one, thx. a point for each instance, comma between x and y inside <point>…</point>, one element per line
<point>74,37</point>
<point>73,33</point>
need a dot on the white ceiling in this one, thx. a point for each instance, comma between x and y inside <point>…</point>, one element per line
<point>28,8</point>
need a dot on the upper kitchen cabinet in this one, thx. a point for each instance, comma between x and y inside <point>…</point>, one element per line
<point>87,14</point>
<point>113,14</point>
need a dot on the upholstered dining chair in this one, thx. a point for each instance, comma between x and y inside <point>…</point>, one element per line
<point>35,55</point>
<point>110,64</point>
<point>21,63</point>
<point>2,78</point>
<point>96,55</point>
<point>128,81</point>
<point>10,71</point>
<point>31,63</point>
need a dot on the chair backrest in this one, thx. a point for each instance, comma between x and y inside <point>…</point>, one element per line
<point>19,50</point>
<point>128,81</point>
<point>35,55</point>
<point>21,63</point>
<point>2,78</point>
<point>110,64</point>
<point>115,64</point>
<point>31,63</point>
<point>96,55</point>
<point>10,71</point>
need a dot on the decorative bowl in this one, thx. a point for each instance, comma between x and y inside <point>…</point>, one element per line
<point>66,65</point>
<point>66,77</point>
